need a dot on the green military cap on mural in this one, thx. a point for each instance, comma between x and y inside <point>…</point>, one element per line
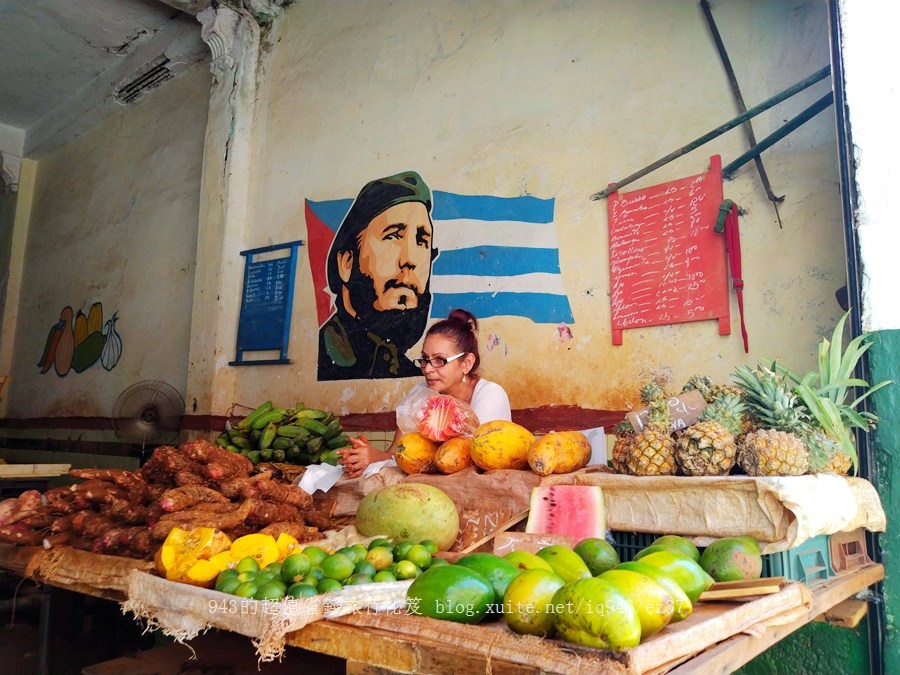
<point>376,197</point>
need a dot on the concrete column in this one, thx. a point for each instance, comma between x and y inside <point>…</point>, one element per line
<point>234,39</point>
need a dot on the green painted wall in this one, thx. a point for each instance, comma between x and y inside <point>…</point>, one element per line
<point>884,364</point>
<point>815,649</point>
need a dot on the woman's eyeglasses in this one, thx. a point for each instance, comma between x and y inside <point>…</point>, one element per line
<point>437,361</point>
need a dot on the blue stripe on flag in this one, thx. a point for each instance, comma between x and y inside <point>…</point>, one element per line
<point>331,212</point>
<point>497,261</point>
<point>449,206</point>
<point>539,307</point>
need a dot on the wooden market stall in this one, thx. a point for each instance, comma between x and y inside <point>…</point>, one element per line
<point>718,636</point>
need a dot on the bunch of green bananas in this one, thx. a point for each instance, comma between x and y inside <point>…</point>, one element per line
<point>297,435</point>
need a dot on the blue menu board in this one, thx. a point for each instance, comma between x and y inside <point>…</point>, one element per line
<point>265,319</point>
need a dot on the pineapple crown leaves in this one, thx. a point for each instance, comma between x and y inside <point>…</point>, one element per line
<point>727,410</point>
<point>701,383</point>
<point>829,418</point>
<point>769,398</point>
<point>623,428</point>
<point>659,417</point>
<point>650,392</point>
<point>835,375</point>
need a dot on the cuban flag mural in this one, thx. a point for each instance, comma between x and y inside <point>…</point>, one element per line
<point>494,256</point>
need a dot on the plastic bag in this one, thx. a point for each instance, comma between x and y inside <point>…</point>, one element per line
<point>438,417</point>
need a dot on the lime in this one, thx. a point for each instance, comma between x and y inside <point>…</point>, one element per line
<point>328,585</point>
<point>436,562</point>
<point>406,569</point>
<point>273,567</point>
<point>294,568</point>
<point>247,576</point>
<point>430,545</point>
<point>265,576</point>
<point>315,575</point>
<point>361,551</point>
<point>419,556</point>
<point>351,553</point>
<point>271,590</point>
<point>301,590</point>
<point>315,554</point>
<point>365,567</point>
<point>401,548</point>
<point>228,584</point>
<point>246,589</point>
<point>598,554</point>
<point>229,572</point>
<point>247,564</point>
<point>337,566</point>
<point>358,578</point>
<point>382,542</point>
<point>380,557</point>
<point>384,575</point>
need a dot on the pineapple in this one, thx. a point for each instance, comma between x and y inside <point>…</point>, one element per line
<point>624,433</point>
<point>826,454</point>
<point>707,448</point>
<point>651,451</point>
<point>776,448</point>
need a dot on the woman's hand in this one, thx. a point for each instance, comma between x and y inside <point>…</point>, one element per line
<point>356,458</point>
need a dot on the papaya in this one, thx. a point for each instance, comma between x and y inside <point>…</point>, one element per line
<point>454,455</point>
<point>415,453</point>
<point>501,445</point>
<point>559,452</point>
<point>452,593</point>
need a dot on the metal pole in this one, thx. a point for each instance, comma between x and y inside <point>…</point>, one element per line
<point>741,106</point>
<point>718,131</point>
<point>779,133</point>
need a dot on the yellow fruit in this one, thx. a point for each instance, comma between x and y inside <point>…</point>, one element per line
<point>287,544</point>
<point>652,601</point>
<point>525,560</point>
<point>415,453</point>
<point>501,445</point>
<point>183,548</point>
<point>559,452</point>
<point>564,562</point>
<point>683,607</point>
<point>595,613</point>
<point>261,547</point>
<point>454,455</point>
<point>528,602</point>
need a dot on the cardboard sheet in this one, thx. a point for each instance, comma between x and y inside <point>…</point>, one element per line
<point>781,512</point>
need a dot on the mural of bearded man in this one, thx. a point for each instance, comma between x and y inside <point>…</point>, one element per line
<point>379,270</point>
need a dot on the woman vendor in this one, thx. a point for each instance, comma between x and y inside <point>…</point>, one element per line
<point>450,364</point>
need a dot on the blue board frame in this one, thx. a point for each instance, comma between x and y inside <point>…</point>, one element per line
<point>266,302</point>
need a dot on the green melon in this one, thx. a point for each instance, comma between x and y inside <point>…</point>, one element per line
<point>409,511</point>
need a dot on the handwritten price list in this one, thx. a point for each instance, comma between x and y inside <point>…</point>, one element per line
<point>266,290</point>
<point>667,265</point>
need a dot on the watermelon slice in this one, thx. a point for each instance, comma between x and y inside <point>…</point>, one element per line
<point>444,417</point>
<point>575,510</point>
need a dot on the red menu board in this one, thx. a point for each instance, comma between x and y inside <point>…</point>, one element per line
<point>666,263</point>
